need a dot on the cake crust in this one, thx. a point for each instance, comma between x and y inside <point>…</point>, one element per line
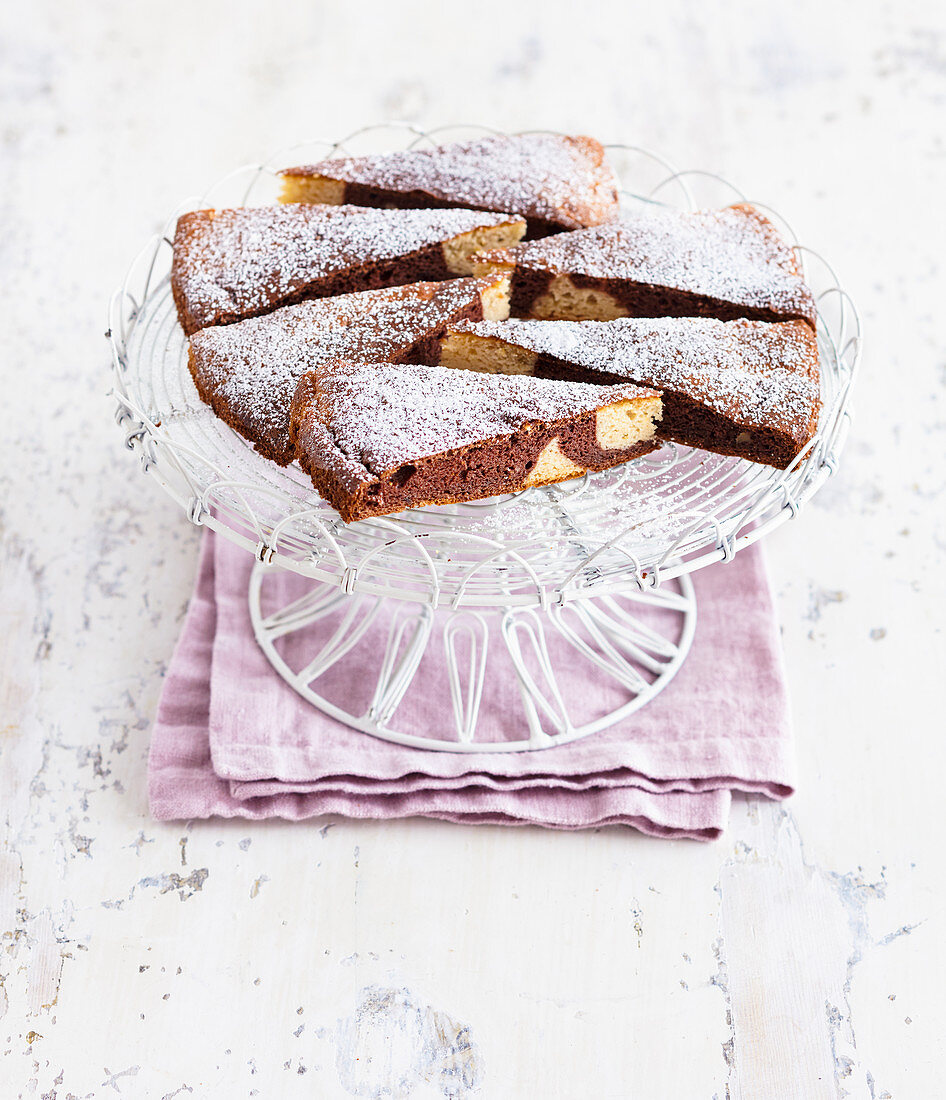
<point>229,265</point>
<point>556,182</point>
<point>659,262</point>
<point>745,388</point>
<point>380,438</point>
<point>247,372</point>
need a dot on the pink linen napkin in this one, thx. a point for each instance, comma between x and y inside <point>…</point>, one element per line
<point>232,739</point>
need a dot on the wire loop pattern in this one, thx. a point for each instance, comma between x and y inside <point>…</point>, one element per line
<point>550,561</point>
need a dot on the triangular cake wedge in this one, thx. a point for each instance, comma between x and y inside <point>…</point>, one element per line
<point>744,388</point>
<point>555,182</point>
<point>232,264</point>
<point>659,262</point>
<point>248,371</point>
<point>377,439</point>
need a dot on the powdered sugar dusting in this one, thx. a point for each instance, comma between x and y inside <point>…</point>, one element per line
<point>383,415</point>
<point>756,373</point>
<point>734,255</point>
<point>255,365</point>
<point>249,259</point>
<point>559,179</point>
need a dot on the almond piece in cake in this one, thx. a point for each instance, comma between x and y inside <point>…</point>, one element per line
<point>744,388</point>
<point>555,182</point>
<point>380,438</point>
<point>232,264</point>
<point>658,262</point>
<point>248,372</point>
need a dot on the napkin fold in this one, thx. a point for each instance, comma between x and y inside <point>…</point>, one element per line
<point>232,739</point>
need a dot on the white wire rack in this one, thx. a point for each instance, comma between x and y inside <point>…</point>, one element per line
<point>603,546</point>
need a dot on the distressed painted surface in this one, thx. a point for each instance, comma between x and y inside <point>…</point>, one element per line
<point>798,956</point>
<point>806,929</point>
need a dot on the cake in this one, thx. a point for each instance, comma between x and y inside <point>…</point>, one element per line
<point>555,182</point>
<point>247,372</point>
<point>744,388</point>
<point>658,262</point>
<point>232,264</point>
<point>379,438</point>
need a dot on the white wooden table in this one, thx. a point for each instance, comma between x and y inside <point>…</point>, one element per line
<point>798,957</point>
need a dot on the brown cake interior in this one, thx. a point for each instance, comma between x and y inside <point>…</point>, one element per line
<point>538,452</point>
<point>544,296</point>
<point>724,264</point>
<point>230,265</point>
<point>775,441</point>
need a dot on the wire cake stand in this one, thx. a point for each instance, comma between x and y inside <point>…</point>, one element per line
<point>513,600</point>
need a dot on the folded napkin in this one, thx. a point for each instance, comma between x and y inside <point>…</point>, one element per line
<point>232,739</point>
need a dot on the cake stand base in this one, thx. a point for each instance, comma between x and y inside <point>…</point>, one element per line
<point>471,679</point>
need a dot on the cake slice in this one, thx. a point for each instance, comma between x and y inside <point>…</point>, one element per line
<point>659,262</point>
<point>377,439</point>
<point>232,264</point>
<point>555,182</point>
<point>248,371</point>
<point>744,388</point>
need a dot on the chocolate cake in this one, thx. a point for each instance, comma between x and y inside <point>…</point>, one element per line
<point>377,438</point>
<point>232,264</point>
<point>658,262</point>
<point>745,388</point>
<point>555,182</point>
<point>248,371</point>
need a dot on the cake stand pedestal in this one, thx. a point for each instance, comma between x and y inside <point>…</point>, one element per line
<point>310,632</point>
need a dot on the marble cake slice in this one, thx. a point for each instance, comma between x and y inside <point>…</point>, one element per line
<point>555,182</point>
<point>658,262</point>
<point>744,388</point>
<point>232,264</point>
<point>247,372</point>
<point>377,439</point>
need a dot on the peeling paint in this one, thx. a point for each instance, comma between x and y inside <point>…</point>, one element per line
<point>185,887</point>
<point>391,1043</point>
<point>819,599</point>
<point>905,930</point>
<point>112,1079</point>
<point>791,934</point>
<point>140,841</point>
<point>23,751</point>
<point>45,964</point>
<point>638,916</point>
<point>872,1090</point>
